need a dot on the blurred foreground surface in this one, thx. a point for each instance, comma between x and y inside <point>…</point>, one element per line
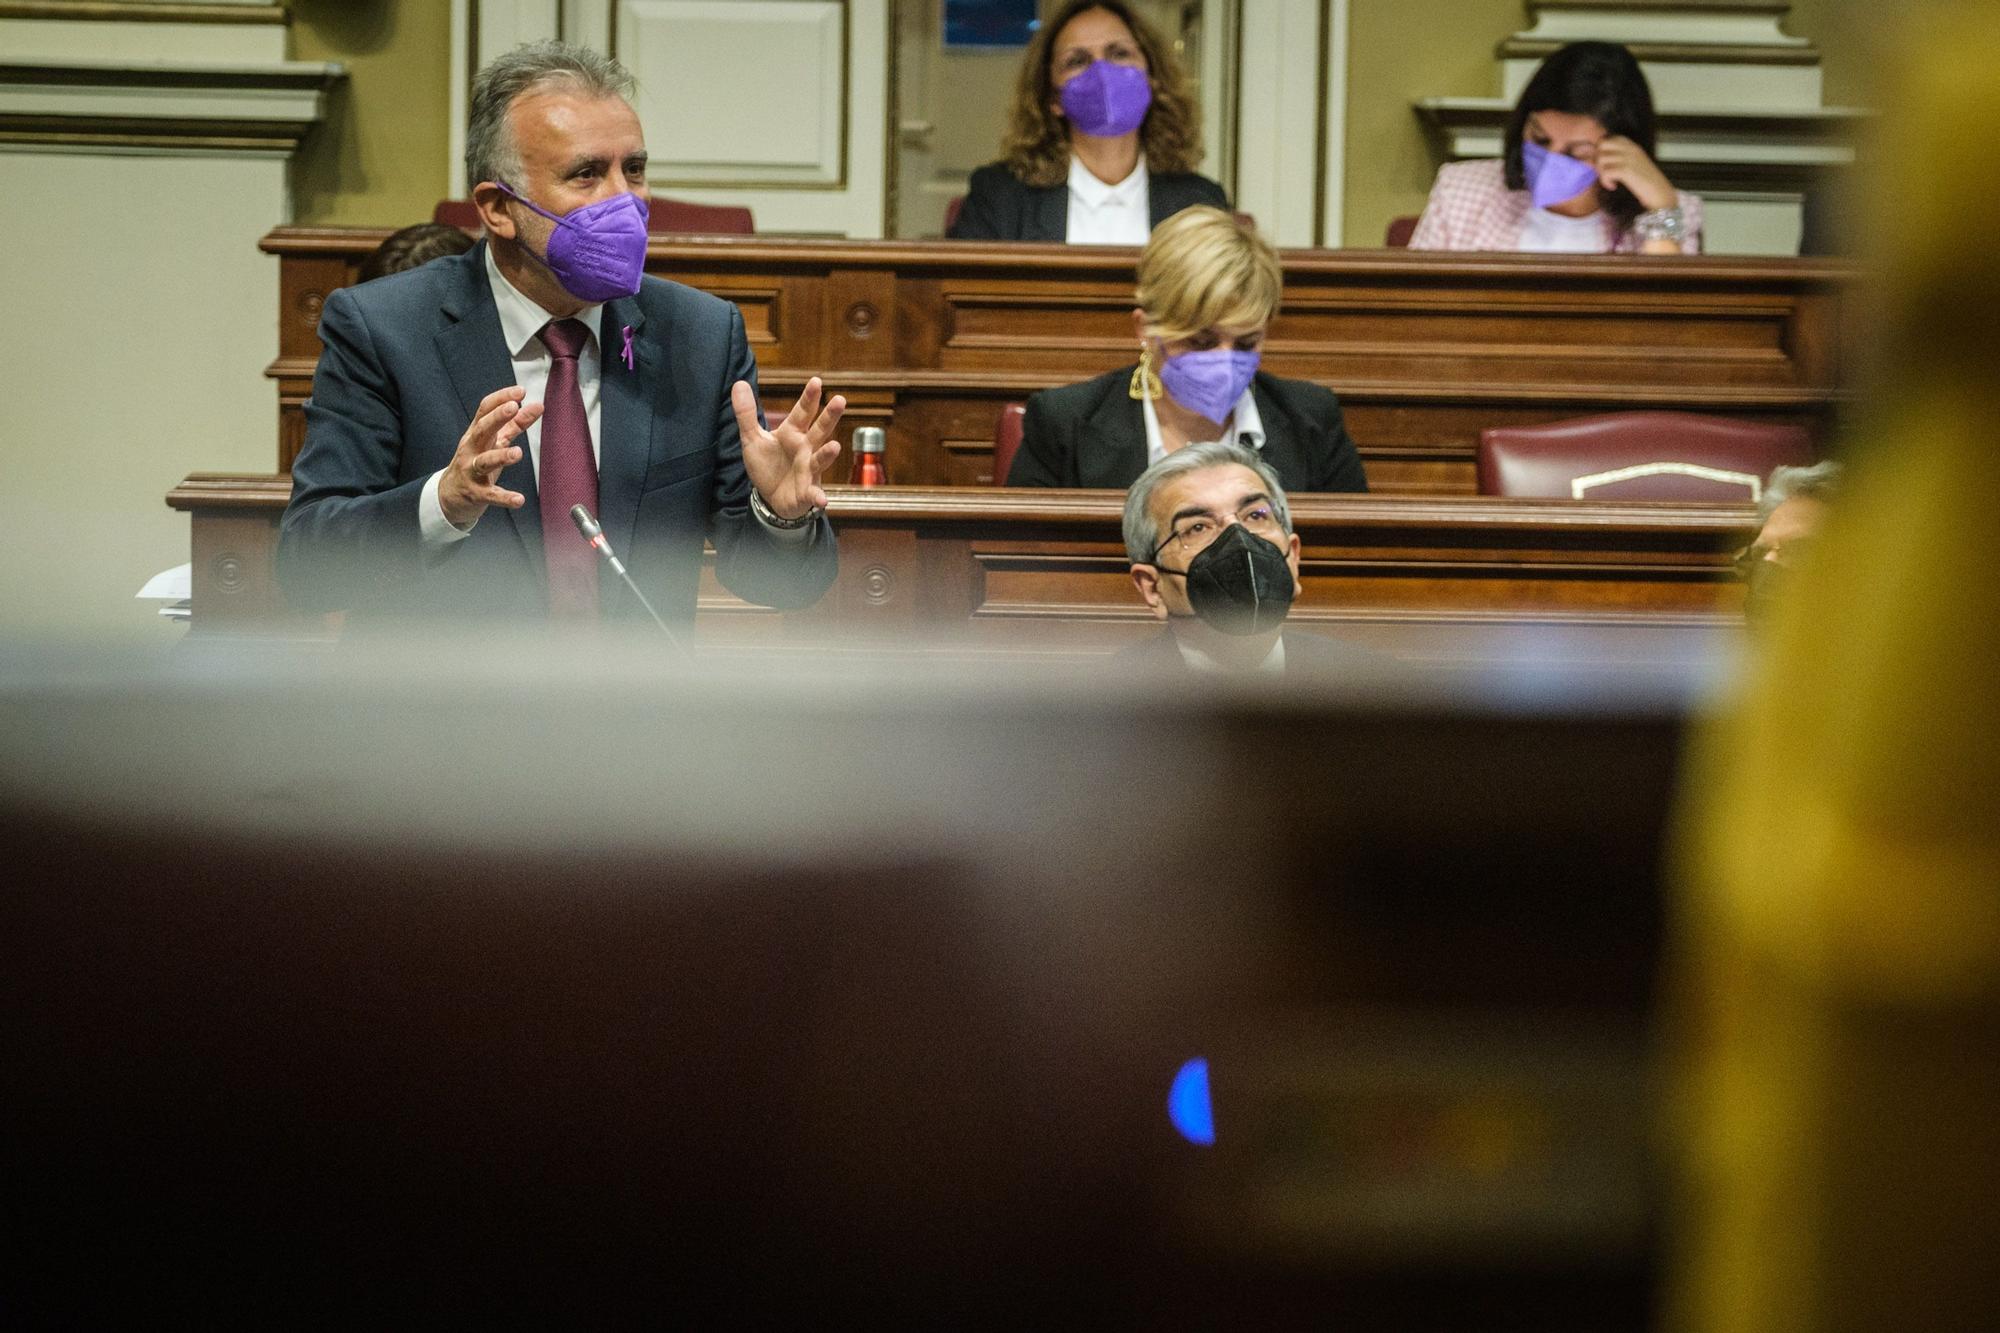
<point>496,978</point>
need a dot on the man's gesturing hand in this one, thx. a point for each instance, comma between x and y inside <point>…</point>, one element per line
<point>471,480</point>
<point>786,462</point>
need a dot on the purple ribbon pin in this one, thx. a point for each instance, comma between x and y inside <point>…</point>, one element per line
<point>627,353</point>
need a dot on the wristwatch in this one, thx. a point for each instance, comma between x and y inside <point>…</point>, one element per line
<point>768,515</point>
<point>1660,224</point>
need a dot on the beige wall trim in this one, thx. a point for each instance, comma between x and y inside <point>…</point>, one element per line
<point>1778,7</point>
<point>301,78</point>
<point>76,133</point>
<point>1666,53</point>
<point>1817,125</point>
<point>113,11</point>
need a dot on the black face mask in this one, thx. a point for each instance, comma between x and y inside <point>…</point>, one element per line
<point>1766,583</point>
<point>1240,583</point>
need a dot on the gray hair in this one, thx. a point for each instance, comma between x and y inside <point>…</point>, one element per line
<point>490,151</point>
<point>1818,482</point>
<point>1142,539</point>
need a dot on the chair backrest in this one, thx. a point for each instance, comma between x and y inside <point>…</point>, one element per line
<point>1639,456</point>
<point>662,214</point>
<point>1400,231</point>
<point>1007,440</point>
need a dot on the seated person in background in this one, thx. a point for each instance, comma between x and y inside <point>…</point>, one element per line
<point>1578,175</point>
<point>413,247</point>
<point>1102,140</point>
<point>1208,288</point>
<point>1788,518</point>
<point>1213,554</point>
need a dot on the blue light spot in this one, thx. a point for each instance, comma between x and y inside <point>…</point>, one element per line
<point>1188,1105</point>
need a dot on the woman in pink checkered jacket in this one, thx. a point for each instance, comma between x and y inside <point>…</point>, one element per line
<point>1578,176</point>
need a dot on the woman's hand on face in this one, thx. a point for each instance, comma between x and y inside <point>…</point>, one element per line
<point>1619,162</point>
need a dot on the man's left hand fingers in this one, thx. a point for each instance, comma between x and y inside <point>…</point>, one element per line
<point>822,429</point>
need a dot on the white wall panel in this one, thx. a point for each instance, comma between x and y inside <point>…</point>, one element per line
<point>1278,80</point>
<point>739,93</point>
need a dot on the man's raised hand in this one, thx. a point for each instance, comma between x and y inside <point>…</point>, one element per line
<point>471,480</point>
<point>786,462</point>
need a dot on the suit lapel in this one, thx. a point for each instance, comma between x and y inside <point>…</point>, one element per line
<point>1282,446</point>
<point>1051,216</point>
<point>474,351</point>
<point>1120,423</point>
<point>1160,196</point>
<point>625,416</point>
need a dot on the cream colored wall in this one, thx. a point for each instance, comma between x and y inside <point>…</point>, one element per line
<point>382,158</point>
<point>133,357</point>
<point>1401,50</point>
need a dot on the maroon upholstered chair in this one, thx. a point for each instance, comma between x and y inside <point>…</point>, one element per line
<point>1638,456</point>
<point>1007,440</point>
<point>1400,232</point>
<point>662,214</point>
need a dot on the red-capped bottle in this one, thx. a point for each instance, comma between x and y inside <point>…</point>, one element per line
<point>868,468</point>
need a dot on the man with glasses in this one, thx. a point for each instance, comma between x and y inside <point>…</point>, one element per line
<point>1214,555</point>
<point>1788,519</point>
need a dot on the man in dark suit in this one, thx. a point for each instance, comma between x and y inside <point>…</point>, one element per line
<point>1214,556</point>
<point>538,371</point>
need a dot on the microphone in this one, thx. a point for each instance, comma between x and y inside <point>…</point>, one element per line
<point>594,534</point>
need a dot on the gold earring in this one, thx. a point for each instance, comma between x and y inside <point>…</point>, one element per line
<point>1145,384</point>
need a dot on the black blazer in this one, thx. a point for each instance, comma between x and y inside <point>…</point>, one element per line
<point>1094,434</point>
<point>405,361</point>
<point>999,207</point>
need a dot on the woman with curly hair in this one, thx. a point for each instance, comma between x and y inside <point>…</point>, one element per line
<point>1102,139</point>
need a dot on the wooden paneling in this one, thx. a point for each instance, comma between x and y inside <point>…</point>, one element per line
<point>930,339</point>
<point>1006,570</point>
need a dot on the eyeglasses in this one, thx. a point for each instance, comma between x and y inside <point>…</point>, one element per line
<point>1785,555</point>
<point>1193,532</point>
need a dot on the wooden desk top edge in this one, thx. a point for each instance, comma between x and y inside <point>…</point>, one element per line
<point>1120,261</point>
<point>971,504</point>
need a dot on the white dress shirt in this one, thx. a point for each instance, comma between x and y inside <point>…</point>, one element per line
<point>1246,427</point>
<point>521,324</point>
<point>1543,232</point>
<point>1101,214</point>
<point>1197,660</point>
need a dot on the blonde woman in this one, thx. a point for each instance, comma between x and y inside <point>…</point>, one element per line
<point>1208,289</point>
<point>1102,141</point>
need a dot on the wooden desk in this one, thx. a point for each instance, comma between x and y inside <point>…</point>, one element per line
<point>999,571</point>
<point>929,339</point>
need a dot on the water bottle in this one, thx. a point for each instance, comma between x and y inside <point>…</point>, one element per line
<point>868,469</point>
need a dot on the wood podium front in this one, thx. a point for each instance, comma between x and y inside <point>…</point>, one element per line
<point>930,339</point>
<point>988,570</point>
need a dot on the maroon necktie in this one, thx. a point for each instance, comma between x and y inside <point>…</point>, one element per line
<point>568,475</point>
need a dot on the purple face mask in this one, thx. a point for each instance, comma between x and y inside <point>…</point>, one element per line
<point>1554,177</point>
<point>1209,382</point>
<point>597,252</point>
<point>1107,100</point>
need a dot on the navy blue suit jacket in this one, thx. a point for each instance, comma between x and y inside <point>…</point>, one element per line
<point>406,361</point>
